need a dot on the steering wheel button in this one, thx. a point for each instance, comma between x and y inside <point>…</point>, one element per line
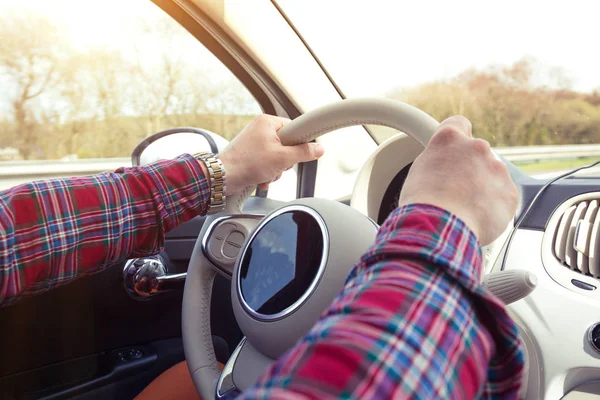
<point>223,230</point>
<point>236,238</point>
<point>230,250</point>
<point>215,247</point>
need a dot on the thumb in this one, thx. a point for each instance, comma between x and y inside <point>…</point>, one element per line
<point>458,123</point>
<point>304,152</point>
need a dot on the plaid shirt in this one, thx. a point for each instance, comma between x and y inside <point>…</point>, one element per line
<point>53,231</point>
<point>412,320</point>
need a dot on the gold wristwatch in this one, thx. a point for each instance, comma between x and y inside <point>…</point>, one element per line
<point>216,172</point>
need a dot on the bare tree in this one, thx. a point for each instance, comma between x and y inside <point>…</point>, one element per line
<point>29,51</point>
<point>160,80</point>
<point>185,84</point>
<point>100,102</point>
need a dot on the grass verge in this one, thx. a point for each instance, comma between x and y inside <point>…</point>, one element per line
<point>555,165</point>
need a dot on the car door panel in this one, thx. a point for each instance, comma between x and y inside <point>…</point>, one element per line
<point>62,343</point>
<point>118,374</point>
<point>66,339</point>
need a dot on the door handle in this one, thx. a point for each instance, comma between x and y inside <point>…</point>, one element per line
<point>149,276</point>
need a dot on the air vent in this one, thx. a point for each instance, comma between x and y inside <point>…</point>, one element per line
<point>576,241</point>
<point>571,245</point>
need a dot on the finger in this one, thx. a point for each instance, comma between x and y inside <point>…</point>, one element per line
<point>290,167</point>
<point>276,178</point>
<point>303,152</point>
<point>263,186</point>
<point>458,123</point>
<point>278,122</point>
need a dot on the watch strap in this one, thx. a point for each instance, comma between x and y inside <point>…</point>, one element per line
<point>217,181</point>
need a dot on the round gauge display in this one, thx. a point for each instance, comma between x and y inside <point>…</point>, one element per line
<point>281,262</point>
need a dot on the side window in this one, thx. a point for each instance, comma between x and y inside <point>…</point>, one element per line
<point>83,83</point>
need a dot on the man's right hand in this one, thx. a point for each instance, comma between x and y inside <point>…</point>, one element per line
<point>257,157</point>
<point>460,174</point>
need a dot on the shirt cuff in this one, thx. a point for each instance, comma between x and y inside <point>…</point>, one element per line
<point>198,181</point>
<point>434,235</point>
<point>182,185</point>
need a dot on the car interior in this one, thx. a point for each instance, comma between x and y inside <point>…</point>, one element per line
<point>210,301</point>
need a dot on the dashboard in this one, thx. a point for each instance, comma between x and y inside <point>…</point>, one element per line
<point>389,202</point>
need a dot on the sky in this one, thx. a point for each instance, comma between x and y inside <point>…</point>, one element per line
<point>372,46</point>
<point>90,22</point>
<point>115,24</point>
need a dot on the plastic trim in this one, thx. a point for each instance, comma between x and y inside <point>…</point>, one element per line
<point>227,373</point>
<point>556,320</point>
<point>298,303</point>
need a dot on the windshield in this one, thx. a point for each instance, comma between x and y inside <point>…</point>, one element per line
<point>525,73</point>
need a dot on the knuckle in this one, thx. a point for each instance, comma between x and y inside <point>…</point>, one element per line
<point>308,150</point>
<point>262,118</point>
<point>481,147</point>
<point>305,150</point>
<point>274,140</point>
<point>445,136</point>
<point>498,167</point>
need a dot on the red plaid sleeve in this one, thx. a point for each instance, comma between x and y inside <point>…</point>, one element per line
<point>52,231</point>
<point>413,322</point>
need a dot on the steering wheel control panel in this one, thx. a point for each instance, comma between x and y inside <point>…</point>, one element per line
<point>224,239</point>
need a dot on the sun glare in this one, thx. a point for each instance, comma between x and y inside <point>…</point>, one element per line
<point>90,23</point>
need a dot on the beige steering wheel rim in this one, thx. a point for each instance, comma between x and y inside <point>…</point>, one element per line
<point>345,113</point>
<point>196,331</point>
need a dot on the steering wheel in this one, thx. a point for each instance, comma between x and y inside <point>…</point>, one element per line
<point>287,266</point>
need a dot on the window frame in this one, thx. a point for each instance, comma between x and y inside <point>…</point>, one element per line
<point>268,95</point>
